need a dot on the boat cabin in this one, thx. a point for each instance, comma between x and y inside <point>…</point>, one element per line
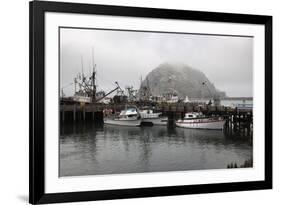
<point>193,115</point>
<point>131,112</point>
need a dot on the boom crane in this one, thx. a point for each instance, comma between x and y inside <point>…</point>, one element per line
<point>118,87</point>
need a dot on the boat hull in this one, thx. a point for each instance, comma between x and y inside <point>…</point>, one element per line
<point>131,123</point>
<point>215,125</point>
<point>156,121</point>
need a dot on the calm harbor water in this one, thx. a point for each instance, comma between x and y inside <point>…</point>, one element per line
<point>88,149</point>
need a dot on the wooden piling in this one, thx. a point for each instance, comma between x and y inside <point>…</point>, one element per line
<point>74,113</point>
<point>84,113</point>
<point>63,115</point>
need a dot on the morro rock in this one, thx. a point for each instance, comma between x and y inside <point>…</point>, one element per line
<point>180,79</point>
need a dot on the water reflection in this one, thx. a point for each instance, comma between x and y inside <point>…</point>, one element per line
<point>87,149</point>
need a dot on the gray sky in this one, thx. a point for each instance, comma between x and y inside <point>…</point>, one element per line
<point>125,56</point>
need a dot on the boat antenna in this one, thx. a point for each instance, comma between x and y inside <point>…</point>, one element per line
<point>140,89</point>
<point>204,83</point>
<point>93,61</point>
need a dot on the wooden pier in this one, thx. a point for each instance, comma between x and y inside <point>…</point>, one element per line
<point>236,119</point>
<point>76,112</point>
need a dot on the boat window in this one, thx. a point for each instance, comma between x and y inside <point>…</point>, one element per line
<point>132,115</point>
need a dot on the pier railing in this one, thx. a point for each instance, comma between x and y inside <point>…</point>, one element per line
<point>175,107</point>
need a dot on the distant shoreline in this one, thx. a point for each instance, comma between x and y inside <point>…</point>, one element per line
<point>226,98</point>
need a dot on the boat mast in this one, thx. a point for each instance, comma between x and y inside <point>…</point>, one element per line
<point>82,68</point>
<point>93,78</point>
<point>83,78</point>
<point>75,81</point>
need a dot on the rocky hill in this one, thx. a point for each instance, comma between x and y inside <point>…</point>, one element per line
<point>180,79</point>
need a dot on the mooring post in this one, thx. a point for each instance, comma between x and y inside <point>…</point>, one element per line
<point>249,120</point>
<point>226,125</point>
<point>230,121</point>
<point>239,120</point>
<point>184,111</point>
<point>171,119</point>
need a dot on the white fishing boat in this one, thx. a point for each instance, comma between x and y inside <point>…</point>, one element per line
<point>127,117</point>
<point>148,116</point>
<point>196,120</point>
<point>174,99</point>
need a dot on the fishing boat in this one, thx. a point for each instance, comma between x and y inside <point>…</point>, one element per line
<point>173,99</point>
<point>148,116</point>
<point>196,120</point>
<point>127,117</point>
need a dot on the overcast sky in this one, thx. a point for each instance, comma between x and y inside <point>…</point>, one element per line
<point>125,56</point>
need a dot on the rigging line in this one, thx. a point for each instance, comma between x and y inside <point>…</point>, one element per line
<point>67,85</point>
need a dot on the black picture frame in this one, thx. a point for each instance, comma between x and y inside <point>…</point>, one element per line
<point>37,10</point>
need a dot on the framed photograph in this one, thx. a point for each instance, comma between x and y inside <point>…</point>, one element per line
<point>130,102</point>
